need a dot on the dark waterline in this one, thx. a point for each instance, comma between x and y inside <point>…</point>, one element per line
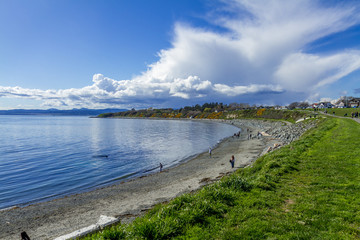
<point>43,157</point>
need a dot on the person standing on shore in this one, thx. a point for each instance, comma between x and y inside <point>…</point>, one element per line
<point>24,236</point>
<point>210,151</point>
<point>232,161</point>
<point>161,167</point>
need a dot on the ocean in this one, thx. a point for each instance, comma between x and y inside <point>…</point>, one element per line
<point>47,157</point>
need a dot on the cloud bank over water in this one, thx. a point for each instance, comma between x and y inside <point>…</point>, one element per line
<point>258,54</point>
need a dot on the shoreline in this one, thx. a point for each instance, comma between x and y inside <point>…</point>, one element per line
<point>127,200</point>
<point>129,175</point>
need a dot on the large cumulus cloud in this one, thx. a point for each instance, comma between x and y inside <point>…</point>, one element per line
<point>259,54</point>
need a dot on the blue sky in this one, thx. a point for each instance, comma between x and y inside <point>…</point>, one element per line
<point>160,53</point>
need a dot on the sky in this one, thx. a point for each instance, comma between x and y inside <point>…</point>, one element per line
<point>161,53</point>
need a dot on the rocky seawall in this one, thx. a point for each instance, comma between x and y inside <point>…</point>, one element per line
<point>286,132</point>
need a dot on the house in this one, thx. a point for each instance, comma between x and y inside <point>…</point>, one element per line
<point>340,105</point>
<point>351,102</point>
<point>354,104</point>
<point>325,105</point>
<point>315,105</point>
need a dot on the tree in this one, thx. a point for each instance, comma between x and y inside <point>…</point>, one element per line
<point>304,105</point>
<point>293,105</point>
<point>244,105</point>
<point>233,106</point>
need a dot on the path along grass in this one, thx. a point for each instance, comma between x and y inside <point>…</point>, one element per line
<point>307,190</point>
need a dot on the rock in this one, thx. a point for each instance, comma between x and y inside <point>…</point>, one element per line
<point>285,132</point>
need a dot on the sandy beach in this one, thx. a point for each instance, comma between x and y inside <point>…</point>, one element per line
<point>127,200</point>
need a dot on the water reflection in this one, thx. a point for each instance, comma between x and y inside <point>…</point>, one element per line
<point>53,156</point>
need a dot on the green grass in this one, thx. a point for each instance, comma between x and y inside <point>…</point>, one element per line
<point>266,114</point>
<point>307,190</point>
<point>341,111</point>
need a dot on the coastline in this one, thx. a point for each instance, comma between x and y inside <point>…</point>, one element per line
<point>58,162</point>
<point>127,200</point>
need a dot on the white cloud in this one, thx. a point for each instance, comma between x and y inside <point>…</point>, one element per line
<point>190,87</point>
<point>262,50</point>
<point>301,72</point>
<point>239,90</point>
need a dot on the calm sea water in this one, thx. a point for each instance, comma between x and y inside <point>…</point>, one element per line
<point>44,157</point>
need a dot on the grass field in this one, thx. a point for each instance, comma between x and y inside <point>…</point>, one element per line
<point>341,111</point>
<point>307,190</point>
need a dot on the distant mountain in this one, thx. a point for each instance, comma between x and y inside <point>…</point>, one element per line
<point>57,112</point>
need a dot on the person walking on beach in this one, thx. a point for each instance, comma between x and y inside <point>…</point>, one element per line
<point>232,161</point>
<point>210,151</point>
<point>161,167</point>
<point>24,236</point>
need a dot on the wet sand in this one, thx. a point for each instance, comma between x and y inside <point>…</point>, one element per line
<point>127,200</point>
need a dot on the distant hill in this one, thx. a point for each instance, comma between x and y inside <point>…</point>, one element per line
<point>57,112</point>
<point>202,112</point>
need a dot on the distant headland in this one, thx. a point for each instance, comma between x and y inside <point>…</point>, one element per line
<point>57,112</point>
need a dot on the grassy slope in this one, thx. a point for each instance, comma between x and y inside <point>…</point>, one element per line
<point>309,189</point>
<point>269,114</point>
